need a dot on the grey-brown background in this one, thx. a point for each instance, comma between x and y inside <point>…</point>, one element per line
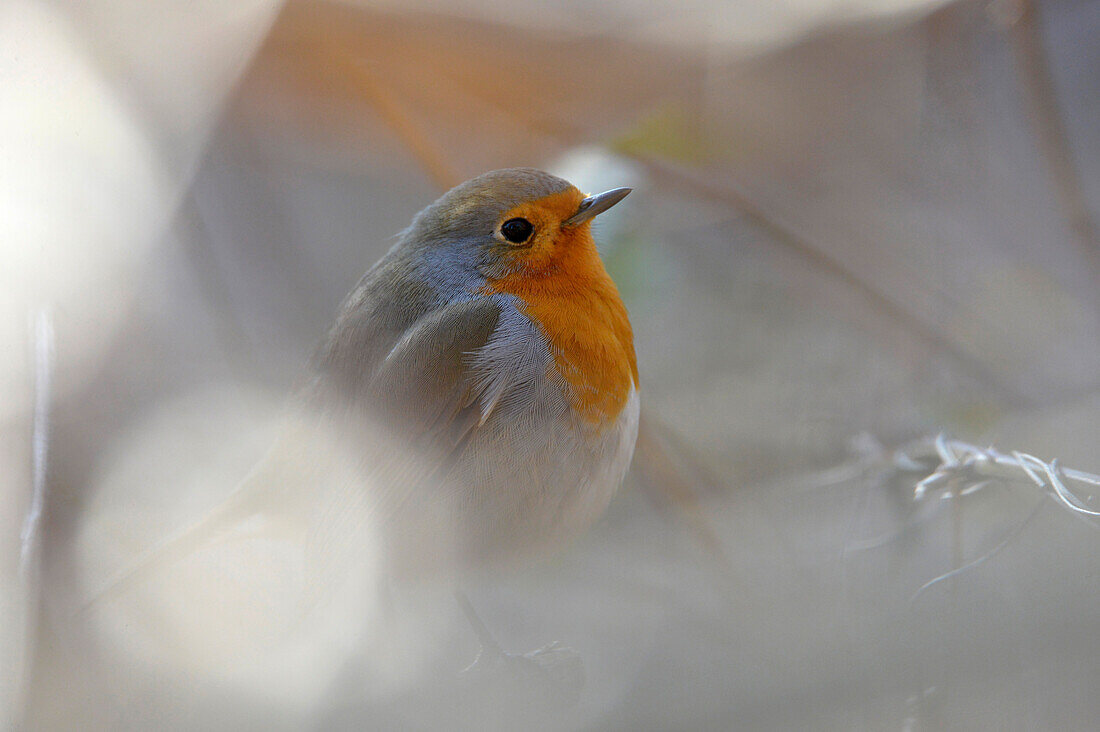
<point>847,221</point>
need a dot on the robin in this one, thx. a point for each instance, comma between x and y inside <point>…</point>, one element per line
<point>491,348</point>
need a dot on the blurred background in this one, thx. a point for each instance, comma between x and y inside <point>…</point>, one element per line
<point>855,225</point>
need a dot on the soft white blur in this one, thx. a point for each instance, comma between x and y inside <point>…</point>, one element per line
<point>277,608</point>
<point>101,126</point>
<point>738,27</point>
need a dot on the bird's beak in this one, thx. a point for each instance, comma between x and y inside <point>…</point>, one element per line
<point>595,205</point>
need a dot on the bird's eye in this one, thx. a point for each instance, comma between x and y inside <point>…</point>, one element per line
<point>516,231</point>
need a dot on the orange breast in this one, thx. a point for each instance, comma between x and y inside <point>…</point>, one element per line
<point>569,294</point>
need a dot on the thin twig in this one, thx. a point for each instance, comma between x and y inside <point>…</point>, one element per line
<point>947,469</point>
<point>30,549</point>
<point>1037,80</point>
<point>488,642</point>
<point>654,461</point>
<point>964,468</point>
<point>394,114</point>
<point>40,439</point>
<point>975,466</point>
<point>822,260</point>
<point>985,557</point>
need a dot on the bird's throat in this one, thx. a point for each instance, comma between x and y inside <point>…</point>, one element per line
<point>575,303</point>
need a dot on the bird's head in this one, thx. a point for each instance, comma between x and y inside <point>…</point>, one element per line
<point>526,234</point>
<point>517,221</point>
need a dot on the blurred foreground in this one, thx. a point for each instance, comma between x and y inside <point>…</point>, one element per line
<point>847,232</point>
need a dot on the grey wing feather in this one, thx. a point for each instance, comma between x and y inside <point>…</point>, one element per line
<point>426,382</point>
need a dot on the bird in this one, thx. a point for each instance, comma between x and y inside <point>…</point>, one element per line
<point>478,391</point>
